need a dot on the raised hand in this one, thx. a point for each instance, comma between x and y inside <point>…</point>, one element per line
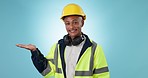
<point>28,47</point>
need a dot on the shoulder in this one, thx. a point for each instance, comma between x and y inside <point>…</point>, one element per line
<point>96,46</point>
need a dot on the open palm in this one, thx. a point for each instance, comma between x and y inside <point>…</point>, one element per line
<point>28,47</point>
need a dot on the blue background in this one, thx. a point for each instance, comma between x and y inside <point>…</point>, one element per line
<point>119,26</point>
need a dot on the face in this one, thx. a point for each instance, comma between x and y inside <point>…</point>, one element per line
<point>73,25</point>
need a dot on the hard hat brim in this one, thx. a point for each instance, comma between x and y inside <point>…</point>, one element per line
<point>83,16</point>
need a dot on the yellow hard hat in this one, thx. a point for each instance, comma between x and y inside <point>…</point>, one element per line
<point>73,9</point>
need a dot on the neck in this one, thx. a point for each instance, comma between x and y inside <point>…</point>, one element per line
<point>76,36</point>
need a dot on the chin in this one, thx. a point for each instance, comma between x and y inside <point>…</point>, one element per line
<point>73,35</point>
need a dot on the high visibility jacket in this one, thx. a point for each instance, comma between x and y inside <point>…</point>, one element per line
<point>91,62</point>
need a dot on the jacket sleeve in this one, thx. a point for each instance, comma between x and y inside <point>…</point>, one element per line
<point>100,64</point>
<point>42,64</point>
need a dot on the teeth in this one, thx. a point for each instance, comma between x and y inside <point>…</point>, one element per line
<point>73,31</point>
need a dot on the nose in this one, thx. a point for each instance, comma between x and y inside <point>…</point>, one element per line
<point>71,26</point>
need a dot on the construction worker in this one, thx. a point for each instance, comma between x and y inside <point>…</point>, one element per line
<point>73,56</point>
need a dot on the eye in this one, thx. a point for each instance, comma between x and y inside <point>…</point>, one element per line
<point>67,23</point>
<point>75,22</point>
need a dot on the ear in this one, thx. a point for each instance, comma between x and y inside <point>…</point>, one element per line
<point>82,22</point>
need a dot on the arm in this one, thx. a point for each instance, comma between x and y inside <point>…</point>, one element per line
<point>100,64</point>
<point>39,61</point>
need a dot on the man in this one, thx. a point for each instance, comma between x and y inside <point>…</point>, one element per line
<point>74,56</point>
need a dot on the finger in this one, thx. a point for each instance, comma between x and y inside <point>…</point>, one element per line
<point>17,45</point>
<point>21,45</point>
